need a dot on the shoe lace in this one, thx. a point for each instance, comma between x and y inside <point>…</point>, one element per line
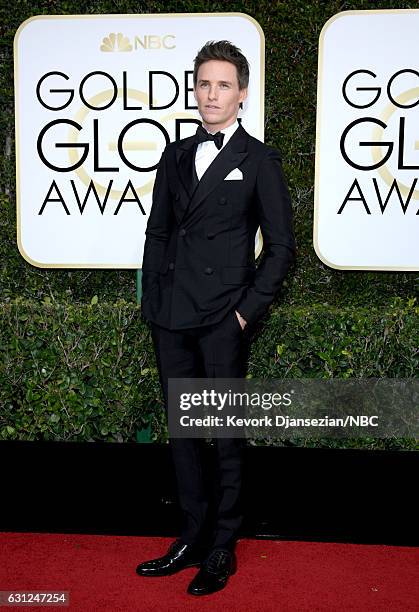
<point>216,559</point>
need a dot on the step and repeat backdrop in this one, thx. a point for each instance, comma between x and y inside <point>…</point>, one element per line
<point>98,97</point>
<point>367,153</point>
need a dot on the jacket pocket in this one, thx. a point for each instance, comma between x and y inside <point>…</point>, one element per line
<point>237,275</point>
<point>164,267</point>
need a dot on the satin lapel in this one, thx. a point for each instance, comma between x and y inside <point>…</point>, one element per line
<point>185,158</point>
<point>230,157</point>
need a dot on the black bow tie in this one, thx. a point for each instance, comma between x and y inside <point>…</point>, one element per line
<point>202,136</point>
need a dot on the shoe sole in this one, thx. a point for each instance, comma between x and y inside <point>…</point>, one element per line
<point>207,592</point>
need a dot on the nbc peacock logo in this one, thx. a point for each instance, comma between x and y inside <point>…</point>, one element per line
<point>115,42</point>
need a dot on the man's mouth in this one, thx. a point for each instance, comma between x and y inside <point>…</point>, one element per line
<point>211,106</point>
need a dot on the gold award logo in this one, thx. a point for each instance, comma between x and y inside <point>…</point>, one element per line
<point>115,42</point>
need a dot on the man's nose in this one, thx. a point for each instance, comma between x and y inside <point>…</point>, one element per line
<point>212,93</point>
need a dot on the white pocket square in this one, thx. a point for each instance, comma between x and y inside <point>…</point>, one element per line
<point>234,175</point>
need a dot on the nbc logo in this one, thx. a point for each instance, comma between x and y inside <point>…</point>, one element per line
<point>116,42</point>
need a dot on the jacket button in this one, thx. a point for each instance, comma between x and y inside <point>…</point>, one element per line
<point>222,200</point>
<point>209,270</point>
<point>182,232</point>
<point>171,266</point>
<point>210,236</point>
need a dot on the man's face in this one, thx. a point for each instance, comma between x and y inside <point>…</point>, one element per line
<point>217,94</point>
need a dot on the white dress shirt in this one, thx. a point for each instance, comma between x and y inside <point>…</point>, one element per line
<point>206,152</point>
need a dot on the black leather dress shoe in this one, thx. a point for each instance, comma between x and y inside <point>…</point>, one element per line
<point>214,573</point>
<point>178,556</point>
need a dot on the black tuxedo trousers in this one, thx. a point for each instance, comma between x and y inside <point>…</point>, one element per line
<point>210,496</point>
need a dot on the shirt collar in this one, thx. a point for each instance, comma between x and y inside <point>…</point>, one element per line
<point>229,131</point>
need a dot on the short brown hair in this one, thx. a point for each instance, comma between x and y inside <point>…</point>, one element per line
<point>225,51</point>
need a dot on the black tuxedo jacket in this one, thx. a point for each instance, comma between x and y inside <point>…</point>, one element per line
<point>199,259</point>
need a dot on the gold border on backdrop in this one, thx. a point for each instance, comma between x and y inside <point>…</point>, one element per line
<point>119,16</point>
<point>318,130</point>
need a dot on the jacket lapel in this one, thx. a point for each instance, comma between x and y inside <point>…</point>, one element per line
<point>185,159</point>
<point>230,157</point>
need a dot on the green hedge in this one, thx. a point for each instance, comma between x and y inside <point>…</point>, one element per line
<point>71,372</point>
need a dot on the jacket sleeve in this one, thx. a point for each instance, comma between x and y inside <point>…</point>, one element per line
<point>158,226</point>
<point>273,204</point>
<point>159,221</point>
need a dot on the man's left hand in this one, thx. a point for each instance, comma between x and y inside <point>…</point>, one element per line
<point>242,321</point>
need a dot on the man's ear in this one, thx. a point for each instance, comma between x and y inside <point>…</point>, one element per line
<point>243,94</point>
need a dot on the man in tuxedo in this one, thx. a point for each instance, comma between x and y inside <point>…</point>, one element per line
<point>202,292</point>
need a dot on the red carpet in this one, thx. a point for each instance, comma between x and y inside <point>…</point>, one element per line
<point>99,573</point>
